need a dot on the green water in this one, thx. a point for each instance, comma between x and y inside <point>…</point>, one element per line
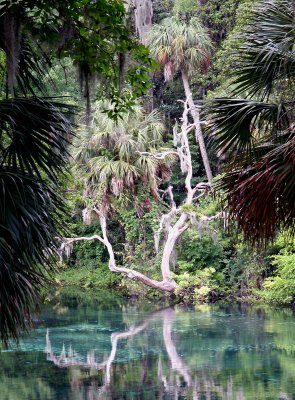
<point>114,349</point>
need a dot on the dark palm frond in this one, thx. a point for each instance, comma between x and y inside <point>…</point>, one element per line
<point>258,136</point>
<point>261,197</point>
<point>267,54</point>
<point>33,65</point>
<point>30,219</point>
<point>239,125</point>
<point>34,135</point>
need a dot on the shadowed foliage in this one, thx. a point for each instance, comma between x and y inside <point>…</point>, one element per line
<point>34,131</point>
<point>256,133</point>
<point>33,138</point>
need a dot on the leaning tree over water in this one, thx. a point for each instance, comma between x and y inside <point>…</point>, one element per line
<point>117,157</point>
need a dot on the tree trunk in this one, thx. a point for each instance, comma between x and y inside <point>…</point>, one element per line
<point>196,117</point>
<point>143,13</point>
<point>167,284</point>
<point>173,234</point>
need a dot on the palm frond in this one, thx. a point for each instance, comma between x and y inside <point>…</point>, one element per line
<point>267,54</point>
<point>261,198</point>
<point>34,135</point>
<point>111,154</point>
<point>126,146</point>
<point>30,215</point>
<point>256,133</point>
<point>179,45</point>
<point>240,125</point>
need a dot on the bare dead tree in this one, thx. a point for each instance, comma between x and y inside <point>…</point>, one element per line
<point>172,224</point>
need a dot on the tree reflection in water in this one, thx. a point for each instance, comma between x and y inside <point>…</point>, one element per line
<point>172,385</point>
<point>153,376</point>
<point>227,357</point>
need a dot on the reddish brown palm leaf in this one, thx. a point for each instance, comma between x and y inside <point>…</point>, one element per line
<point>262,198</point>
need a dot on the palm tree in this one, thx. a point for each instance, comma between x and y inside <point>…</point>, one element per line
<point>34,134</point>
<point>33,138</point>
<point>183,47</point>
<point>119,158</point>
<point>118,155</point>
<point>256,131</point>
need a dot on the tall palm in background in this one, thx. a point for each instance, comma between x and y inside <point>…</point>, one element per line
<point>183,47</point>
<point>118,155</point>
<point>256,131</point>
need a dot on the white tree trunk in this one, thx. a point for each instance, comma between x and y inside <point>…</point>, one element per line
<point>181,140</point>
<point>196,117</point>
<point>167,284</point>
<point>173,234</point>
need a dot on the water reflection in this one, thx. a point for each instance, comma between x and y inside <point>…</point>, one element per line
<point>163,376</point>
<point>171,384</point>
<point>121,351</point>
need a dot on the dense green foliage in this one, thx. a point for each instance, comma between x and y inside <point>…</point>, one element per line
<point>210,262</point>
<point>35,131</point>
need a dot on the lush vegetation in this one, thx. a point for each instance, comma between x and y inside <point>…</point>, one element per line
<point>209,261</point>
<point>181,169</point>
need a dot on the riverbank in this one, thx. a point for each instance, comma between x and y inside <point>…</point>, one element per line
<point>191,289</point>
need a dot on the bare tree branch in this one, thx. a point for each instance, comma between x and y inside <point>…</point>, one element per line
<point>158,156</point>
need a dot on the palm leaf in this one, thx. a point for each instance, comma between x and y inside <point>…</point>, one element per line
<point>239,125</point>
<point>30,215</point>
<point>261,198</point>
<point>35,134</point>
<point>179,45</point>
<point>266,55</point>
<point>258,136</point>
<point>33,138</point>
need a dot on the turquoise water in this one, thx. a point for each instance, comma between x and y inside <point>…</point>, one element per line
<point>114,349</point>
